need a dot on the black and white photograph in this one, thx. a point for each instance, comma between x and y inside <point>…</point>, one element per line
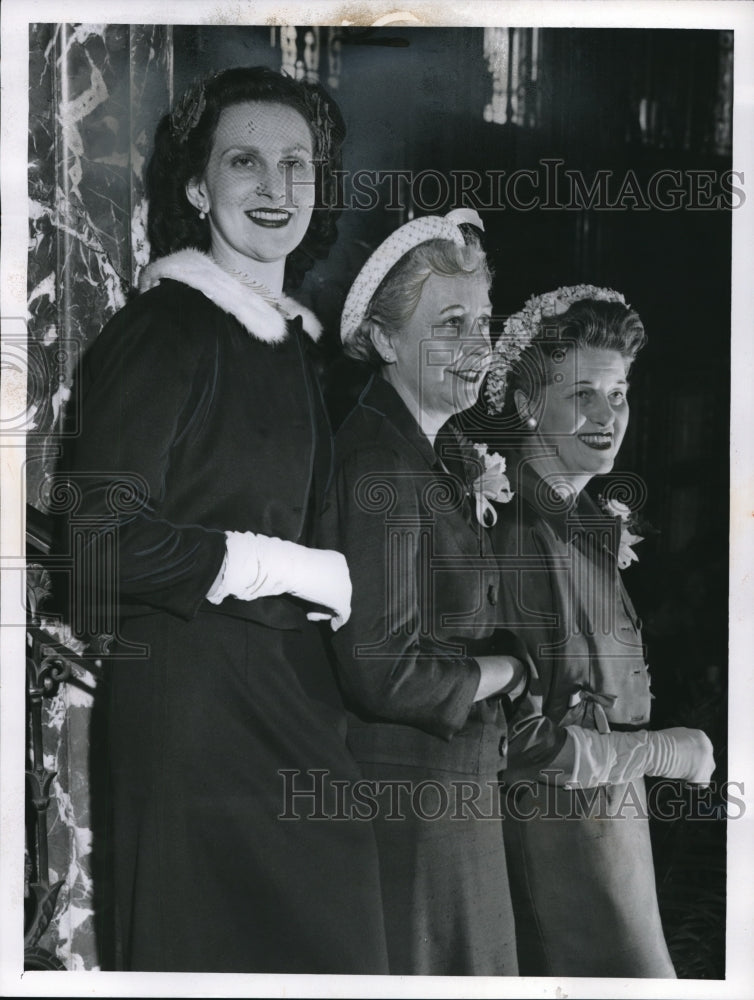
<point>377,514</point>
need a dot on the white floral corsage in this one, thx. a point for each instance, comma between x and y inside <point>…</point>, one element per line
<point>628,530</point>
<point>490,484</point>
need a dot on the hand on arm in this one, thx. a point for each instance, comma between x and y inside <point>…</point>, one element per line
<point>569,754</point>
<point>499,675</point>
<point>389,662</point>
<point>261,566</point>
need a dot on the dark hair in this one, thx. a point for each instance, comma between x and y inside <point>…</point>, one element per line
<point>588,323</point>
<point>397,296</point>
<point>183,144</point>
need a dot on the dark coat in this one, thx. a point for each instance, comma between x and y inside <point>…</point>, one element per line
<point>425,591</point>
<point>580,862</point>
<point>562,592</point>
<point>424,595</point>
<point>216,726</point>
<point>208,429</point>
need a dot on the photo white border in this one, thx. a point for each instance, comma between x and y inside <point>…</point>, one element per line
<point>16,16</point>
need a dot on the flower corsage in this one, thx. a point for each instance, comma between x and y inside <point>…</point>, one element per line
<point>489,484</point>
<point>628,529</point>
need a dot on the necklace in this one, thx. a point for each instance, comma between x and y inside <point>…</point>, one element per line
<point>260,289</point>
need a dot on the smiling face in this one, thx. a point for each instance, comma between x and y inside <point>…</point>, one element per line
<point>442,353</point>
<point>583,410</point>
<point>257,188</point>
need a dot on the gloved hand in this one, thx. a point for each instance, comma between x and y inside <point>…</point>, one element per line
<point>681,753</point>
<point>263,566</point>
<point>589,758</point>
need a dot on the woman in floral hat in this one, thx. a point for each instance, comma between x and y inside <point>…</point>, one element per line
<point>575,806</point>
<point>200,403</point>
<point>425,674</point>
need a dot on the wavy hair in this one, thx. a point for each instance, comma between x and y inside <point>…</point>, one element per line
<point>588,323</point>
<point>183,144</point>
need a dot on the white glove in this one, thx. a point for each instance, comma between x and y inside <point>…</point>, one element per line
<point>682,753</point>
<point>591,758</point>
<point>261,566</point>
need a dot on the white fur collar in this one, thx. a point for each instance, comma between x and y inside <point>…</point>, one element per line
<point>262,320</point>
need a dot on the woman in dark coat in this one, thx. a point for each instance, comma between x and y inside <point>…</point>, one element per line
<point>576,826</point>
<point>423,670</point>
<point>200,398</point>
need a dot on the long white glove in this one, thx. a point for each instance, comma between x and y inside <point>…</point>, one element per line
<point>682,753</point>
<point>263,566</point>
<point>590,758</point>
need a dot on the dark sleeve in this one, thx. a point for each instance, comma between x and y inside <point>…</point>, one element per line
<point>138,391</point>
<point>529,607</point>
<point>389,666</point>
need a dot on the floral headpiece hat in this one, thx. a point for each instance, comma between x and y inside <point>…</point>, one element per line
<point>388,253</point>
<point>521,328</point>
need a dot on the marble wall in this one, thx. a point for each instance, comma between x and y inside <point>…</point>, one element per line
<point>96,93</point>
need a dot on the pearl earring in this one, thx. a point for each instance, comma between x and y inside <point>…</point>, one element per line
<point>203,213</point>
<point>531,423</point>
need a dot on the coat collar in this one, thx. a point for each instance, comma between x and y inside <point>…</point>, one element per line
<point>380,396</point>
<point>568,518</point>
<point>261,319</point>
<point>444,459</point>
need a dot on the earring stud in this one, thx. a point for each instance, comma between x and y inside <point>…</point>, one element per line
<point>531,423</point>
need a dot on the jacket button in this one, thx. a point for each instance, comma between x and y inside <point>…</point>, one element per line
<point>503,746</point>
<point>492,594</point>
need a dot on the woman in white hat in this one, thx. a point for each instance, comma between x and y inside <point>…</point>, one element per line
<point>426,675</point>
